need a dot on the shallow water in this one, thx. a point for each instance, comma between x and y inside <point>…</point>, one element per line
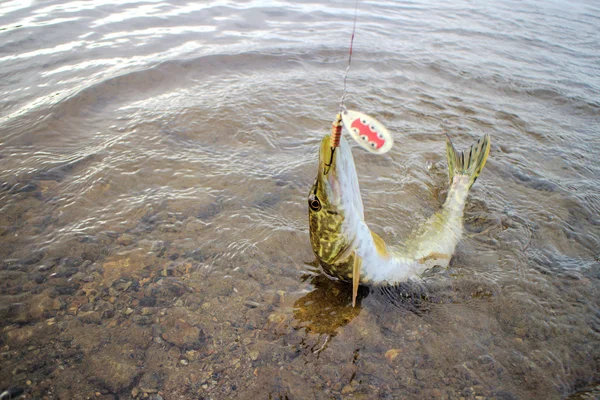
<point>155,159</point>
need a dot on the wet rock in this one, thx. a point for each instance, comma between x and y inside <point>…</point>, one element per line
<point>485,359</point>
<point>12,264</point>
<point>115,372</point>
<point>150,382</point>
<point>17,313</point>
<point>11,393</point>
<point>184,335</point>
<point>148,310</point>
<point>103,305</point>
<point>33,258</point>
<point>210,210</point>
<point>170,228</point>
<point>38,278</point>
<point>19,335</point>
<point>254,355</point>
<point>111,234</point>
<point>143,319</point>
<point>36,289</point>
<point>168,271</point>
<point>125,239</point>
<point>169,287</point>
<point>88,278</point>
<point>5,315</point>
<point>24,187</point>
<point>194,225</point>
<point>87,239</point>
<point>45,267</point>
<point>14,290</point>
<point>392,354</point>
<point>521,331</point>
<point>148,301</point>
<point>157,330</point>
<point>174,352</point>
<point>191,355</point>
<point>424,374</point>
<point>122,284</point>
<point>71,262</point>
<point>251,304</point>
<point>65,289</point>
<point>196,255</point>
<point>48,304</point>
<point>90,317</point>
<point>64,272</point>
<point>86,307</point>
<point>158,246</point>
<point>19,369</point>
<point>347,389</point>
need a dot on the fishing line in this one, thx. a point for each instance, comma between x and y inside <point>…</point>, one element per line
<point>336,129</point>
<point>365,130</point>
<point>342,107</point>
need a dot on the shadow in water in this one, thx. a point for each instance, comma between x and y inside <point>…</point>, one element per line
<point>328,307</point>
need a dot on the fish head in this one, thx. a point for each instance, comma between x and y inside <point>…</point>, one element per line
<point>334,203</point>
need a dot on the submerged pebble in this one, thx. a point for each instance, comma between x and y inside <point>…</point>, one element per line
<point>153,226</point>
<point>11,393</point>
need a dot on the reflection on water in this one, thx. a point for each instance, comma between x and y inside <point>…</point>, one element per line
<point>154,164</point>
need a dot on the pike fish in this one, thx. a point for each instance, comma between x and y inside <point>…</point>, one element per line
<point>345,246</point>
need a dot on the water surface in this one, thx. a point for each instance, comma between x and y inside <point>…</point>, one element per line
<point>156,156</point>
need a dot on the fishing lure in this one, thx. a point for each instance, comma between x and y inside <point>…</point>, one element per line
<point>369,133</point>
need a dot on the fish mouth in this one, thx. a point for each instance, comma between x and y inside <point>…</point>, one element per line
<point>337,185</point>
<point>327,156</point>
<point>328,187</point>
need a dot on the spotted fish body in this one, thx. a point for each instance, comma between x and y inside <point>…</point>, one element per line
<point>345,246</point>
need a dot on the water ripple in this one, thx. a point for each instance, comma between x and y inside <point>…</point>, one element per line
<point>170,147</point>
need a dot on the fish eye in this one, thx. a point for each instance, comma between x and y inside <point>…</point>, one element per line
<point>314,203</point>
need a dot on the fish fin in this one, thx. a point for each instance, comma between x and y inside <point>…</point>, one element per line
<point>469,162</point>
<point>355,277</point>
<point>380,245</point>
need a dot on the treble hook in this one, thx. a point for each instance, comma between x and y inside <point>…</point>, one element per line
<point>326,171</point>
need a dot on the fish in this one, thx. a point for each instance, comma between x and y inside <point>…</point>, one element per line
<point>345,246</point>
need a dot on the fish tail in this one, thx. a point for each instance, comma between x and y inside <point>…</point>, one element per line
<point>469,162</point>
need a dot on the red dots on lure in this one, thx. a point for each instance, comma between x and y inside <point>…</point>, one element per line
<point>369,133</point>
